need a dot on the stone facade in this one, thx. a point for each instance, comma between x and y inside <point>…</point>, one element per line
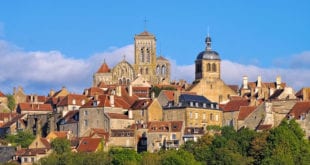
<point>208,76</point>
<point>150,68</point>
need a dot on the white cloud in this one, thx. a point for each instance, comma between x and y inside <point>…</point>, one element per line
<point>38,71</point>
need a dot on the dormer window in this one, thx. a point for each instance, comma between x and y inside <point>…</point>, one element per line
<point>212,107</point>
<point>191,104</point>
<point>197,104</point>
<point>204,105</point>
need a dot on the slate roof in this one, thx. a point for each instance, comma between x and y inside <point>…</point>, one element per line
<point>245,111</point>
<point>276,94</point>
<point>193,98</point>
<point>300,108</point>
<point>89,144</point>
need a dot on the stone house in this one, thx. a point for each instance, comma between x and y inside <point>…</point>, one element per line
<point>231,111</point>
<point>69,122</point>
<point>300,112</point>
<point>28,108</point>
<point>122,138</point>
<point>193,133</point>
<point>116,121</point>
<point>164,135</point>
<point>71,102</point>
<point>194,110</point>
<point>90,145</point>
<point>146,110</point>
<point>11,124</point>
<point>303,94</point>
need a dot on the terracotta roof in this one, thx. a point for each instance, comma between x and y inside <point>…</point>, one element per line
<point>4,115</point>
<point>264,127</point>
<point>30,98</point>
<point>245,111</point>
<point>99,132</point>
<point>2,95</point>
<point>169,95</point>
<point>235,98</point>
<point>45,143</point>
<point>234,105</point>
<point>265,84</point>
<point>165,126</point>
<point>145,33</point>
<point>89,144</point>
<point>117,116</point>
<point>234,87</point>
<point>141,104</point>
<point>31,152</point>
<point>104,68</point>
<point>299,109</point>
<point>68,100</point>
<point>61,134</point>
<point>161,58</point>
<point>35,107</point>
<point>13,120</point>
<point>94,91</point>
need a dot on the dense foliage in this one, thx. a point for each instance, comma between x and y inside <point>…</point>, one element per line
<point>22,138</point>
<point>11,102</point>
<point>282,145</point>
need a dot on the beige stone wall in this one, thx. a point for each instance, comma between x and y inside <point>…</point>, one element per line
<point>231,119</point>
<point>102,77</point>
<point>215,91</point>
<point>90,118</point>
<point>155,111</point>
<point>121,123</point>
<point>128,142</point>
<point>194,117</point>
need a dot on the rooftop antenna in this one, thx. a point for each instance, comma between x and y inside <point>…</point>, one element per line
<point>145,22</point>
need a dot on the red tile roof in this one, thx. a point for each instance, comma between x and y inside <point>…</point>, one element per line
<point>99,132</point>
<point>30,152</point>
<point>89,144</point>
<point>2,95</point>
<point>45,143</point>
<point>245,111</point>
<point>61,134</point>
<point>141,104</point>
<point>169,95</point>
<point>94,91</point>
<point>104,68</point>
<point>35,107</point>
<point>234,105</point>
<point>300,108</point>
<point>4,115</point>
<point>68,100</point>
<point>117,116</point>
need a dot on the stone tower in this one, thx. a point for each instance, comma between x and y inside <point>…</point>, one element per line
<point>145,56</point>
<point>208,63</point>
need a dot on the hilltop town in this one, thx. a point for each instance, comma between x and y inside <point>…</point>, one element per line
<point>137,106</point>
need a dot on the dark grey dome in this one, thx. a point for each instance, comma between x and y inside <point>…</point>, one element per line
<point>208,55</point>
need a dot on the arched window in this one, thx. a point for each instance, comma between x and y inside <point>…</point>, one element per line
<point>142,55</point>
<point>198,67</point>
<point>128,81</point>
<point>120,81</point>
<point>124,81</point>
<point>157,69</point>
<point>146,70</point>
<point>148,55</point>
<point>214,67</point>
<point>208,67</point>
<point>163,70</point>
<point>141,71</point>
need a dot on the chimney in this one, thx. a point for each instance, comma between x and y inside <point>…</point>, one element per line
<point>35,98</point>
<point>245,82</point>
<point>130,90</point>
<point>118,91</point>
<point>52,92</point>
<point>130,114</point>
<point>176,95</point>
<point>112,100</point>
<point>259,81</point>
<point>278,82</point>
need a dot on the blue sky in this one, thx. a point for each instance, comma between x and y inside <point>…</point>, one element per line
<point>37,38</point>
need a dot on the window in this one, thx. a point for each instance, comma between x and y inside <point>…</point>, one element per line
<point>213,67</point>
<point>196,115</point>
<point>32,159</point>
<point>85,112</point>
<point>174,136</point>
<point>191,104</point>
<point>142,55</point>
<point>146,70</point>
<point>158,70</point>
<point>141,71</point>
<point>208,67</point>
<point>148,56</point>
<point>204,105</point>
<point>85,123</point>
<point>163,70</point>
<point>120,82</point>
<point>25,159</point>
<point>211,116</point>
<point>197,104</point>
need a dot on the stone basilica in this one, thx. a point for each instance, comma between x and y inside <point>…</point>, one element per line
<point>147,66</point>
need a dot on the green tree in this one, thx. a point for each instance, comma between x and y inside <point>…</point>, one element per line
<point>11,102</point>
<point>124,156</point>
<point>177,157</point>
<point>150,158</point>
<point>61,145</point>
<point>23,138</point>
